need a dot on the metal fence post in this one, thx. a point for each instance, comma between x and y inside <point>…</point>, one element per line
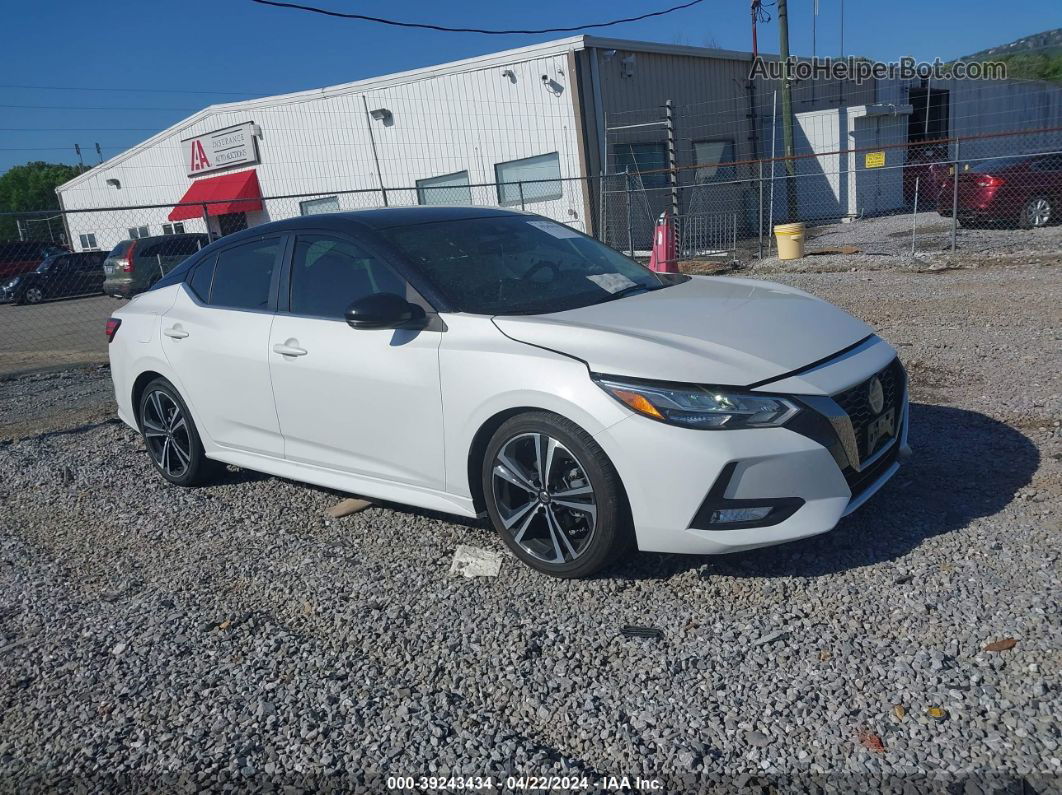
<point>759,215</point>
<point>955,198</point>
<point>630,217</point>
<point>602,233</point>
<point>206,219</point>
<point>520,185</point>
<point>672,158</point>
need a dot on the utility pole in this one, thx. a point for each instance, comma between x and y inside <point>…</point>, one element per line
<point>787,110</point>
<point>81,160</point>
<point>99,152</point>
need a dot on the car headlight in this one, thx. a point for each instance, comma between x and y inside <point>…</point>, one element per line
<point>704,407</point>
<point>12,283</point>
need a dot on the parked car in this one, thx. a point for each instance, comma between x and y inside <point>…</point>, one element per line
<point>133,266</point>
<point>925,171</point>
<point>58,276</point>
<point>19,256</point>
<point>1024,191</point>
<point>481,361</point>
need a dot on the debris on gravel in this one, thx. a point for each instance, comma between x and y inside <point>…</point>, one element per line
<point>236,636</point>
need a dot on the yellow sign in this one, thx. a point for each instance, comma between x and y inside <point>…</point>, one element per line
<point>875,159</point>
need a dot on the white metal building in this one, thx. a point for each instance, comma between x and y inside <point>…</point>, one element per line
<point>442,134</point>
<point>544,121</point>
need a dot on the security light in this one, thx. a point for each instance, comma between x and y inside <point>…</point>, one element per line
<point>382,114</point>
<point>116,184</point>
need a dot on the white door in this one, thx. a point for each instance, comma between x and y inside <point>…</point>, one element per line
<point>216,338</point>
<point>357,400</point>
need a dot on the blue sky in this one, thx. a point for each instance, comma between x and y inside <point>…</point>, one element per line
<point>238,46</point>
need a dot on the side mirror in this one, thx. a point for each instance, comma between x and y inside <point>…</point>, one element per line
<point>384,310</point>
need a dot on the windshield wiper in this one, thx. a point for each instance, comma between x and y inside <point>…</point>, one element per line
<point>630,291</point>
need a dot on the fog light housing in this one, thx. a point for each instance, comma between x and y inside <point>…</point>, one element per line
<point>719,513</point>
<point>731,515</point>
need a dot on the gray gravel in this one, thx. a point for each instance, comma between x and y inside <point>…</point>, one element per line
<point>884,243</point>
<point>234,634</point>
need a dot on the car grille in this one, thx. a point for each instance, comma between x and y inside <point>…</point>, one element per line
<point>856,404</point>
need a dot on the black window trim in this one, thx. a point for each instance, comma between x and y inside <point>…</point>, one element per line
<point>212,259</point>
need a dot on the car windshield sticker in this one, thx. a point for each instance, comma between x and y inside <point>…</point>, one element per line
<point>557,230</point>
<point>612,282</point>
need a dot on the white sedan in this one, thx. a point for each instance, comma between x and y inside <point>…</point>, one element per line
<point>480,361</point>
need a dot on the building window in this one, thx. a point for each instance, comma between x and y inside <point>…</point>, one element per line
<point>173,229</point>
<point>447,189</point>
<point>137,232</point>
<point>88,242</point>
<point>532,179</point>
<point>711,158</point>
<point>640,158</point>
<point>329,204</point>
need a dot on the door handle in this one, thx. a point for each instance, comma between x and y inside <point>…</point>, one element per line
<point>175,332</point>
<point>289,348</point>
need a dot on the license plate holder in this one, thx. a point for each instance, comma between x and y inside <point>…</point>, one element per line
<point>880,428</point>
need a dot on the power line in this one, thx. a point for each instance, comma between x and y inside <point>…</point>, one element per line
<point>85,107</point>
<point>144,90</point>
<point>79,129</point>
<point>492,32</point>
<point>57,148</point>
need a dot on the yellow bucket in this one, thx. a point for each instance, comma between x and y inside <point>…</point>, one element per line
<point>790,239</point>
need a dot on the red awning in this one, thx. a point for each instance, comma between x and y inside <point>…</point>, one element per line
<point>229,193</point>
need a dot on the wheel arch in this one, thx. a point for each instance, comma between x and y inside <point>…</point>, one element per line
<point>486,430</point>
<point>139,385</point>
<point>478,448</point>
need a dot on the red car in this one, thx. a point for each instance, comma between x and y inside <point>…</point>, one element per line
<point>1025,191</point>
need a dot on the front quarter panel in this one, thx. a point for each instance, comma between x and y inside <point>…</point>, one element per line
<point>484,373</point>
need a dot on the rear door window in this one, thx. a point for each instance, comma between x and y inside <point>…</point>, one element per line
<point>243,275</point>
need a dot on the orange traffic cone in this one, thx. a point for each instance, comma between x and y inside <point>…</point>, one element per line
<point>664,256</point>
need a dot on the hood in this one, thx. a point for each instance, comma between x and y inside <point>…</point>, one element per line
<point>709,330</point>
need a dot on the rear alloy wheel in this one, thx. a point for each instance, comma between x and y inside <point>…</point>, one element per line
<point>171,437</point>
<point>554,496</point>
<point>1036,213</point>
<point>33,295</point>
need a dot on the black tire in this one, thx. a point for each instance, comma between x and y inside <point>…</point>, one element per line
<point>32,295</point>
<point>586,539</point>
<point>1037,212</point>
<point>185,464</point>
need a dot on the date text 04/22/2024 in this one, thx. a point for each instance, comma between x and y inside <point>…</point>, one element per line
<point>521,783</point>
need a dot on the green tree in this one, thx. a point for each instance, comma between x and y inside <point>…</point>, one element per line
<point>30,188</point>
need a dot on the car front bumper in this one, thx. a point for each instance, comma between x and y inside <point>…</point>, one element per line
<point>674,477</point>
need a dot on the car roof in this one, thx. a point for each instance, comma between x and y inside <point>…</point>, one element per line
<point>378,218</point>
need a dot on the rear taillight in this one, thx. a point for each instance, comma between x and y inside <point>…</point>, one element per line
<point>989,182</point>
<point>112,328</point>
<point>127,266</point>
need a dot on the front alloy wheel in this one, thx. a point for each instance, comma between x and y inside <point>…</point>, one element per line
<point>554,496</point>
<point>544,498</point>
<point>33,295</point>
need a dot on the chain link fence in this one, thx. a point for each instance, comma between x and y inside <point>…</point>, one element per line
<point>895,203</point>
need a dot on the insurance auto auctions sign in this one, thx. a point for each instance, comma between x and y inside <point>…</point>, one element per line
<point>232,146</point>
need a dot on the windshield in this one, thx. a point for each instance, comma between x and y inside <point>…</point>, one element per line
<point>514,265</point>
<point>47,263</point>
<point>996,164</point>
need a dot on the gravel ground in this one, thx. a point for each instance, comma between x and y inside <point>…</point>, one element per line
<point>234,635</point>
<point>884,243</point>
